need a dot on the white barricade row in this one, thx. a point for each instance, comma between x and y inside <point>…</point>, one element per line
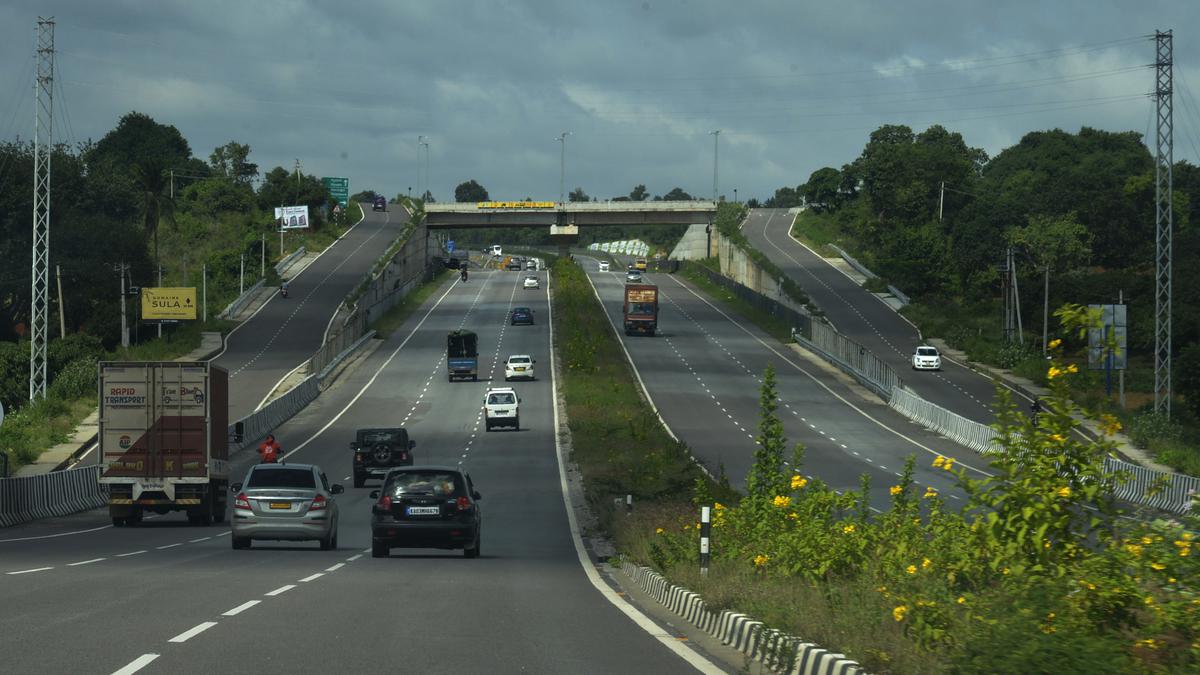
<point>58,493</point>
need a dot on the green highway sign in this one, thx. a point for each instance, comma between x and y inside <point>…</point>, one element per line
<point>339,188</point>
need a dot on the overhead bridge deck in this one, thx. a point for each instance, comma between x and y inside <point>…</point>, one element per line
<point>576,214</point>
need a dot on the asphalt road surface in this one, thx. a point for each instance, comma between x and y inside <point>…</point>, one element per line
<point>166,597</point>
<point>864,318</point>
<point>286,332</point>
<point>703,371</point>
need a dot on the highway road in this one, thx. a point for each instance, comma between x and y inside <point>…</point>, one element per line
<point>165,597</point>
<point>864,318</point>
<point>703,371</point>
<point>285,332</point>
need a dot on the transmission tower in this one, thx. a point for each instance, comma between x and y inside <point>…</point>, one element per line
<point>43,147</point>
<point>1163,218</point>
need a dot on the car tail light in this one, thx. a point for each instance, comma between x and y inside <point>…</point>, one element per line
<point>358,457</point>
<point>384,503</point>
<point>240,501</point>
<point>318,503</point>
<point>464,504</point>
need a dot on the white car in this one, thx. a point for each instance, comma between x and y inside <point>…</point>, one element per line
<point>518,367</point>
<point>501,408</point>
<point>926,358</point>
<point>531,281</point>
<point>603,265</point>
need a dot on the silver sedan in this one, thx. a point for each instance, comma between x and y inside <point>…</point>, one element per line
<point>285,502</point>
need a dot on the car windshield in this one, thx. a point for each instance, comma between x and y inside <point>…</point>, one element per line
<point>501,399</point>
<point>437,483</point>
<point>521,360</point>
<point>926,351</point>
<point>380,436</point>
<point>521,310</point>
<point>272,477</point>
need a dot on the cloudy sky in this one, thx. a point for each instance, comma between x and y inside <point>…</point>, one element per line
<point>347,87</point>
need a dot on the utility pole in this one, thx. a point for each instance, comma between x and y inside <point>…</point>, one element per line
<point>43,147</point>
<point>562,168</point>
<point>62,321</point>
<point>262,263</point>
<point>427,178</point>
<point>716,136</point>
<point>1164,221</point>
<point>941,200</point>
<point>204,292</point>
<point>242,276</point>
<point>160,286</point>
<point>420,142</point>
<point>172,171</point>
<point>121,269</point>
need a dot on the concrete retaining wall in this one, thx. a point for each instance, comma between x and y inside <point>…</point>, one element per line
<point>693,245</point>
<point>59,493</point>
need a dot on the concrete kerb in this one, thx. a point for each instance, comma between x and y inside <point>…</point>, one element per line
<point>749,636</point>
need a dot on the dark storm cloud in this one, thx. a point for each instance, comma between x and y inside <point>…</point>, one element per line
<point>348,87</point>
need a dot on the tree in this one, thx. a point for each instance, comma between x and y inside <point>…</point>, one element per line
<point>230,160</point>
<point>470,191</point>
<point>785,198</point>
<point>1053,242</point>
<point>638,193</point>
<point>578,195</point>
<point>677,194</point>
<point>281,187</point>
<point>822,191</point>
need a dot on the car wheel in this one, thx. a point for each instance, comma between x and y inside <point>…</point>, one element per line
<point>359,480</point>
<point>379,550</point>
<point>240,542</point>
<point>517,423</point>
<point>327,542</point>
<point>473,552</point>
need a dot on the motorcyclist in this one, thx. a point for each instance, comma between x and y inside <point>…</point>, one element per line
<point>283,289</point>
<point>463,274</point>
<point>270,450</point>
<point>1036,408</point>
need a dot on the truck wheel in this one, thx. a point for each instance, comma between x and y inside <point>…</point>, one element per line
<point>474,378</point>
<point>135,517</point>
<point>379,550</point>
<point>118,522</point>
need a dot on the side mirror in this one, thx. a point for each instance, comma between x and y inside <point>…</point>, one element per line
<point>476,496</point>
<point>374,494</point>
<point>412,444</point>
<point>336,489</point>
<point>236,487</point>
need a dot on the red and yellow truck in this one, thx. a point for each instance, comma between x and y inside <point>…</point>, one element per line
<point>163,437</point>
<point>641,308</point>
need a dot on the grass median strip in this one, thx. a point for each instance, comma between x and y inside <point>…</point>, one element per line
<point>395,317</point>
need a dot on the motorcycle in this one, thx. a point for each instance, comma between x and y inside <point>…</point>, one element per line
<point>463,275</point>
<point>283,290</point>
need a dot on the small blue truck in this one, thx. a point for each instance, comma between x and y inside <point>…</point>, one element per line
<point>462,356</point>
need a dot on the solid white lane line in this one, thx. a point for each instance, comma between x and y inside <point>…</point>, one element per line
<point>226,533</point>
<point>312,577</point>
<point>240,608</point>
<point>193,631</point>
<point>197,541</point>
<point>123,555</point>
<point>281,589</point>
<point>353,557</point>
<point>335,567</point>
<point>136,664</point>
<point>167,546</point>
<point>85,562</point>
<point>36,569</point>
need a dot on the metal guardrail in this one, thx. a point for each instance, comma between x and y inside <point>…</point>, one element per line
<point>978,437</point>
<point>291,258</point>
<point>259,423</point>
<point>904,299</point>
<point>236,306</point>
<point>862,269</point>
<point>851,357</point>
<point>59,493</point>
<point>755,299</point>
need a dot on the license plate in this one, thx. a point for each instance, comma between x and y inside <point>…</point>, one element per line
<point>519,369</point>
<point>276,506</point>
<point>424,511</point>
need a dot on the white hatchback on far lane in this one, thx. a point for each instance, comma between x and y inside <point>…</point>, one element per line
<point>518,367</point>
<point>531,281</point>
<point>926,358</point>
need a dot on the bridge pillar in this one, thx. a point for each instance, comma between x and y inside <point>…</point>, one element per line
<point>564,235</point>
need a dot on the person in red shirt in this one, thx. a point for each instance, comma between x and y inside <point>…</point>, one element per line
<point>269,450</point>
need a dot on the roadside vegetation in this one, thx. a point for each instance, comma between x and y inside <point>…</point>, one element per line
<point>395,317</point>
<point>1078,211</point>
<point>777,328</point>
<point>1037,574</point>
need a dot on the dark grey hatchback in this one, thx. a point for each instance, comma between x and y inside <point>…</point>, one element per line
<point>426,507</point>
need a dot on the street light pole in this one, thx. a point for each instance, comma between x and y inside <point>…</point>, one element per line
<point>420,142</point>
<point>562,168</point>
<point>716,135</point>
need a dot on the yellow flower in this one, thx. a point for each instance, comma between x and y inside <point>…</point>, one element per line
<point>881,589</point>
<point>1158,566</point>
<point>848,529</point>
<point>798,482</point>
<point>1072,368</point>
<point>1004,571</point>
<point>687,526</point>
<point>1135,549</point>
<point>1053,373</point>
<point>760,560</point>
<point>1058,438</point>
<point>1064,491</point>
<point>793,516</point>
<point>939,461</point>
<point>1184,552</point>
<point>658,530</point>
<point>1148,600</point>
<point>911,569</point>
<point>1147,540</point>
<point>929,492</point>
<point>1109,424</point>
<point>895,490</point>
<point>782,501</point>
<point>718,506</point>
<point>899,612</point>
<point>1148,643</point>
<point>1091,586</point>
<point>961,600</point>
<point>1055,343</point>
<point>926,563</point>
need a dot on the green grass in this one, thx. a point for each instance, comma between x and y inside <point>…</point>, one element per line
<point>776,328</point>
<point>315,242</point>
<point>396,316</point>
<point>818,230</point>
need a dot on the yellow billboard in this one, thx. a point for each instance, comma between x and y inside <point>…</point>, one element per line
<point>515,205</point>
<point>169,303</point>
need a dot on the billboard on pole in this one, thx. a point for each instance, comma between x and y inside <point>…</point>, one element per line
<point>291,217</point>
<point>169,304</point>
<point>339,189</point>
<point>1108,341</point>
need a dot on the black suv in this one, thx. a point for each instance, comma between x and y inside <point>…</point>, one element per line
<point>426,507</point>
<point>376,451</point>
